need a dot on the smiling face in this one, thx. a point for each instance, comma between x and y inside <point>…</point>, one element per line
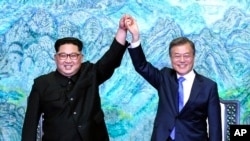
<point>182,58</point>
<point>71,64</point>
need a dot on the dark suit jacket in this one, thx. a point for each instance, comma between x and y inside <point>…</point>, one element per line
<point>190,123</point>
<point>74,115</point>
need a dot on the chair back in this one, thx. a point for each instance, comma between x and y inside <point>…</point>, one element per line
<point>230,115</point>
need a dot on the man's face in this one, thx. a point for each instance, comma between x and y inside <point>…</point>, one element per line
<point>182,58</point>
<point>68,59</point>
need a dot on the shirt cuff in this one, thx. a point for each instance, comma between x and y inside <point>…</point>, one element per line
<point>135,44</point>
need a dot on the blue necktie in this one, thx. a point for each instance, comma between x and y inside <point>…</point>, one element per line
<point>181,102</point>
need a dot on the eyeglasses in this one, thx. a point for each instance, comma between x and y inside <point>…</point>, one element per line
<point>180,56</point>
<point>72,56</point>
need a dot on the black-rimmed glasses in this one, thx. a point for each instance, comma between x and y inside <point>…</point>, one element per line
<point>72,56</point>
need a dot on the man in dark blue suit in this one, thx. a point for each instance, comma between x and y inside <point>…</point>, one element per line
<point>200,101</point>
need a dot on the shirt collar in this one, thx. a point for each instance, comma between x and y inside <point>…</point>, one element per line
<point>188,76</point>
<point>63,80</point>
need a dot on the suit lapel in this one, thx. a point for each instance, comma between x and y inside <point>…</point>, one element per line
<point>195,90</point>
<point>174,90</point>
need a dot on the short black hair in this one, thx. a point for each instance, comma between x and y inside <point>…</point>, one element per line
<point>181,41</point>
<point>68,40</point>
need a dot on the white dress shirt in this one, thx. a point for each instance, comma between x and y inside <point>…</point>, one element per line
<point>187,85</point>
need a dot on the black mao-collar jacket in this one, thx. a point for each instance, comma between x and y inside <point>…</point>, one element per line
<point>71,113</point>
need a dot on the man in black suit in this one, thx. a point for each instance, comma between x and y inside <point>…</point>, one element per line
<point>184,108</point>
<point>69,98</point>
